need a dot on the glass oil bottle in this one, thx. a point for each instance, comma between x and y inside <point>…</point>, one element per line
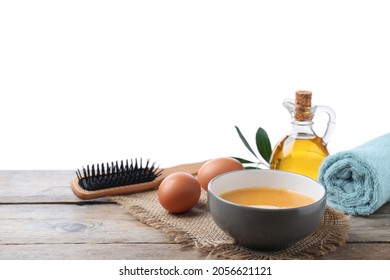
<point>302,151</point>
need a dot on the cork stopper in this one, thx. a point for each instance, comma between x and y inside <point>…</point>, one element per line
<point>303,105</point>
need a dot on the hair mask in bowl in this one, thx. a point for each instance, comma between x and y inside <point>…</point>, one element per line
<point>266,229</point>
<point>266,197</point>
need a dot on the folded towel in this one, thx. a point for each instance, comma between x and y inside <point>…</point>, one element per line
<point>358,180</point>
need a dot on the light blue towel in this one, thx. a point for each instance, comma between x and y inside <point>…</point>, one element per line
<point>358,180</point>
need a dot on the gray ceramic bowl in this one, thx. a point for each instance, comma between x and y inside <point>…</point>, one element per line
<point>261,228</point>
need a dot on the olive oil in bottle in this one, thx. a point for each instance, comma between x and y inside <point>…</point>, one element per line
<point>302,151</point>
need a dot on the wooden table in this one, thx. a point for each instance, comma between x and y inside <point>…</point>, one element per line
<point>40,218</point>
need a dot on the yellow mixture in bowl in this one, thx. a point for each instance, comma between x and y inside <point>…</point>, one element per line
<point>266,197</point>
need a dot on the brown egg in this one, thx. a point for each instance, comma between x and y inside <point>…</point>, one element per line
<point>215,167</point>
<point>179,192</point>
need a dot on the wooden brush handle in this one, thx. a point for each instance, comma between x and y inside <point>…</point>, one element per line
<point>84,194</point>
<point>189,168</point>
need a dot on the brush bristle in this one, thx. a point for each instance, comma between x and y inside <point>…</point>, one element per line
<point>104,176</point>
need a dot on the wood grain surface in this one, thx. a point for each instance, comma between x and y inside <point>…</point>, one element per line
<point>40,218</point>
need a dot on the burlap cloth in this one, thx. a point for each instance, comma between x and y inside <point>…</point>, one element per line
<point>197,229</point>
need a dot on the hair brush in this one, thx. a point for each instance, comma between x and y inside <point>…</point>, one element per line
<point>120,178</point>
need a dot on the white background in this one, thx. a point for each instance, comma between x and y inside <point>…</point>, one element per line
<point>109,269</point>
<point>93,81</point>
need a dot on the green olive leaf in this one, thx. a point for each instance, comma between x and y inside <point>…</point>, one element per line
<point>245,142</point>
<point>241,160</point>
<point>263,144</point>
